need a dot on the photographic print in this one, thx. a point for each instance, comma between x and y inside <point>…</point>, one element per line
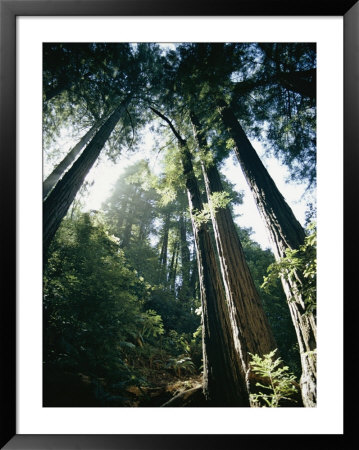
<point>179,224</point>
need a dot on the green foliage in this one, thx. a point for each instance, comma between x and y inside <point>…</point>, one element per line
<point>206,156</point>
<point>108,314</point>
<point>93,307</point>
<point>301,261</point>
<point>152,324</point>
<point>203,216</point>
<point>184,363</point>
<point>278,379</point>
<point>218,200</point>
<point>230,144</point>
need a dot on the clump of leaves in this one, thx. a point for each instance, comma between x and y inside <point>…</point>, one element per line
<point>183,363</point>
<point>280,384</point>
<point>202,216</point>
<point>302,261</point>
<point>152,323</point>
<point>218,200</point>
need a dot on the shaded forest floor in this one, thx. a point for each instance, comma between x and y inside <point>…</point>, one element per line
<point>163,390</point>
<point>64,389</point>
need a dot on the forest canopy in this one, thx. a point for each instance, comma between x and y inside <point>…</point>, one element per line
<point>159,297</point>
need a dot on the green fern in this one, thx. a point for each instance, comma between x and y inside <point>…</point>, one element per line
<point>280,381</point>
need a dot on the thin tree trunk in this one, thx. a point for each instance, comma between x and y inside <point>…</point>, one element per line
<point>224,382</point>
<point>194,277</point>
<point>251,329</point>
<point>164,248</point>
<point>173,270</point>
<point>59,200</point>
<point>285,232</point>
<point>185,258</point>
<point>60,169</point>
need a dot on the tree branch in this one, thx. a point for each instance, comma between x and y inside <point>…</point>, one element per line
<point>178,136</point>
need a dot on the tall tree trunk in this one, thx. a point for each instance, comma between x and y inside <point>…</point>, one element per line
<point>129,220</point>
<point>164,248</point>
<point>172,263</point>
<point>173,268</point>
<point>184,249</point>
<point>175,272</point>
<point>60,169</point>
<point>194,277</point>
<point>285,232</point>
<point>224,382</point>
<point>251,329</point>
<point>185,259</point>
<point>59,200</point>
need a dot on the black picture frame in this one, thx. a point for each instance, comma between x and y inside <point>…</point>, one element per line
<point>9,10</point>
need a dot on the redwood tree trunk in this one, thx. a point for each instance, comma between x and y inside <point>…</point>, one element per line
<point>173,269</point>
<point>193,291</point>
<point>185,258</point>
<point>251,329</point>
<point>60,169</point>
<point>59,200</point>
<point>224,381</point>
<point>285,232</point>
<point>164,248</point>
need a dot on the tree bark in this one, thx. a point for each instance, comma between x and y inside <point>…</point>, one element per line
<point>173,269</point>
<point>285,232</point>
<point>194,277</point>
<point>250,325</point>
<point>164,248</point>
<point>59,200</point>
<point>224,382</point>
<point>185,259</point>
<point>173,263</point>
<point>60,169</point>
